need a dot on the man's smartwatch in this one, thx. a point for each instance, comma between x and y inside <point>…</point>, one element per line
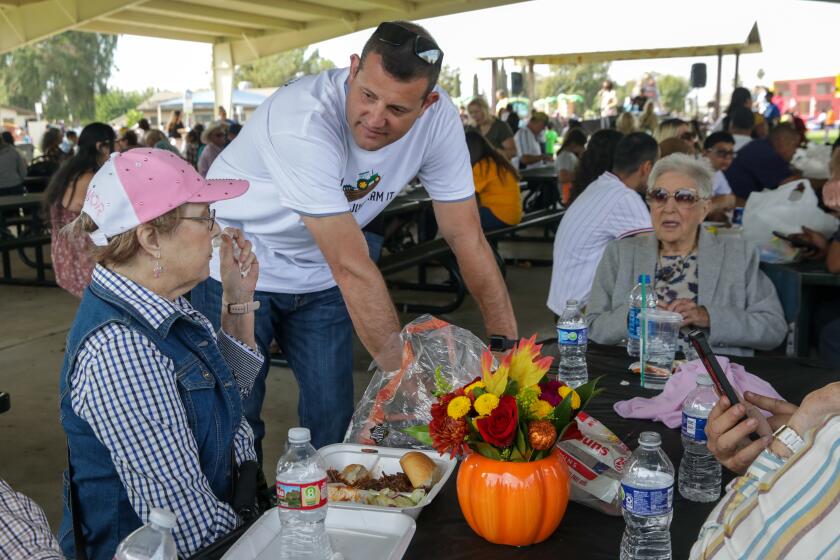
<point>788,437</point>
<point>499,343</point>
<point>241,308</point>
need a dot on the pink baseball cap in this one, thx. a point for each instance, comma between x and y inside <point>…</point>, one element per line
<point>139,185</point>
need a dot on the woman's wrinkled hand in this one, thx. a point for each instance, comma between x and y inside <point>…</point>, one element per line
<point>239,267</point>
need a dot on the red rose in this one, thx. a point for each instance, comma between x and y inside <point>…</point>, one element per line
<point>499,428</point>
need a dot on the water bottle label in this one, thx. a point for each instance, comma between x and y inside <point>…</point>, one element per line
<point>694,428</point>
<point>307,495</point>
<point>642,501</point>
<point>633,323</point>
<point>571,337</point>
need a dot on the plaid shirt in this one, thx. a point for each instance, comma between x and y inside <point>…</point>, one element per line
<point>126,390</point>
<point>24,531</point>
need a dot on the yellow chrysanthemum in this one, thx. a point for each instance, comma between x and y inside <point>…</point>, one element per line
<point>486,403</point>
<point>540,409</point>
<point>565,390</point>
<point>477,385</point>
<point>458,407</point>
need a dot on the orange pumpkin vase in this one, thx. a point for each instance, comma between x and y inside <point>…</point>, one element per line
<point>513,503</point>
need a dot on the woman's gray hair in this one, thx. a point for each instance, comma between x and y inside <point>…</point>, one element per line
<point>699,170</point>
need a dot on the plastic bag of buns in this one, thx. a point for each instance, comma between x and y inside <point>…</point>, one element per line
<point>596,458</point>
<point>396,400</point>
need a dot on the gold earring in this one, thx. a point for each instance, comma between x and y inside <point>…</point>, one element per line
<point>158,269</point>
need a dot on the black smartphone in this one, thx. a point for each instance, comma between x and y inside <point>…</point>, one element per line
<point>795,241</point>
<point>5,402</point>
<point>721,382</point>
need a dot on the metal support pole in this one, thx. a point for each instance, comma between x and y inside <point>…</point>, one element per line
<point>717,87</point>
<point>532,89</point>
<point>494,72</point>
<point>737,81</point>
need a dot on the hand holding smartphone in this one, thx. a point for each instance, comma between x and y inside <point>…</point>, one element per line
<point>722,385</point>
<point>796,241</point>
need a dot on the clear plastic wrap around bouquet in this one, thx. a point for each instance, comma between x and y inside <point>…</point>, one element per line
<point>398,400</point>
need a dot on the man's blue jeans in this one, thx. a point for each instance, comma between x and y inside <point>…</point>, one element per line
<point>316,335</point>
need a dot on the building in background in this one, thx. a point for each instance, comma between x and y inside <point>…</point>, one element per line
<point>808,97</point>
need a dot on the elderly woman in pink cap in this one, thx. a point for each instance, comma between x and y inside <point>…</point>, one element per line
<point>150,394</point>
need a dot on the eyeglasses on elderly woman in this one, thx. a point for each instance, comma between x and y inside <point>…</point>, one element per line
<point>211,219</point>
<point>684,198</point>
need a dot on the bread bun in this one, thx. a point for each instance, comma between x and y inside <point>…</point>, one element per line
<point>419,469</point>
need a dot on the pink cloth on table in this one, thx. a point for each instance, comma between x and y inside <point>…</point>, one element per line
<point>666,407</point>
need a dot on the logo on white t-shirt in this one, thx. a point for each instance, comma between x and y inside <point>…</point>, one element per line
<point>364,185</point>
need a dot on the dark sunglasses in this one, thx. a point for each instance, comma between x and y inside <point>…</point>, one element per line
<point>685,198</point>
<point>724,153</point>
<point>396,35</point>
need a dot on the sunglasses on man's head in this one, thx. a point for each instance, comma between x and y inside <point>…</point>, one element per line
<point>685,198</point>
<point>396,35</point>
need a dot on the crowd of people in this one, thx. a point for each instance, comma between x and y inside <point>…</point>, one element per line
<point>149,374</point>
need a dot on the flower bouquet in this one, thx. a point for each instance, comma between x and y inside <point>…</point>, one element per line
<point>513,486</point>
<point>515,413</point>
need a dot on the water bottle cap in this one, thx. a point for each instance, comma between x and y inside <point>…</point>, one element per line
<point>704,379</point>
<point>650,439</point>
<point>299,435</point>
<point>163,517</point>
<point>571,303</point>
<point>644,279</point>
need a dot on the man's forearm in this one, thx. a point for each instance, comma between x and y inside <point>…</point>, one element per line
<point>485,283</point>
<point>529,159</point>
<point>372,312</point>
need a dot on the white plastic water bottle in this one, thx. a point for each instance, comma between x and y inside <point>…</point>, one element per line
<point>700,473</point>
<point>152,541</point>
<point>635,307</point>
<point>572,339</point>
<point>647,500</point>
<point>302,500</point>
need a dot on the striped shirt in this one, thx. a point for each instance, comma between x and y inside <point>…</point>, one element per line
<point>126,390</point>
<point>606,210</point>
<point>24,531</point>
<point>781,509</point>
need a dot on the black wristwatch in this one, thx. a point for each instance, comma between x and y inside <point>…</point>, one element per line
<point>499,343</point>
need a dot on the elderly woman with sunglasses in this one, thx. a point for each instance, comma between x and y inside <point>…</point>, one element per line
<point>713,281</point>
<point>150,394</point>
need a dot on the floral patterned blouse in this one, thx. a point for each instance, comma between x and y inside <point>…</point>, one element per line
<point>71,258</point>
<point>676,278</point>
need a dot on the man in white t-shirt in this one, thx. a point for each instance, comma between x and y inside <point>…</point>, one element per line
<point>609,208</point>
<point>527,140</point>
<point>741,123</point>
<point>719,149</point>
<point>324,155</point>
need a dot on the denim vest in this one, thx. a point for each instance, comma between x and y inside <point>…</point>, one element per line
<point>211,400</point>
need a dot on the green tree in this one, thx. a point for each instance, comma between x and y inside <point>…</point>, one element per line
<point>450,81</point>
<point>277,69</point>
<point>672,92</point>
<point>65,72</point>
<point>114,103</point>
<point>581,79</point>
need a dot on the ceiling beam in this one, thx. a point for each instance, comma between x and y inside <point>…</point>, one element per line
<point>134,17</point>
<point>125,29</point>
<point>292,8</point>
<point>216,15</point>
<point>271,43</point>
<point>30,22</point>
<point>403,6</point>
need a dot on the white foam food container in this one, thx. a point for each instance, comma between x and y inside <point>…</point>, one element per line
<point>386,460</point>
<point>357,535</point>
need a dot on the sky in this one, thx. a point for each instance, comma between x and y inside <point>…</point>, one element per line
<point>798,39</point>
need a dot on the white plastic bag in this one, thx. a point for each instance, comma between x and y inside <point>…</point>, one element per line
<point>784,209</point>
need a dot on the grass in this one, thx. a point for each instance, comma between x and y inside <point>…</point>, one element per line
<point>818,136</point>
